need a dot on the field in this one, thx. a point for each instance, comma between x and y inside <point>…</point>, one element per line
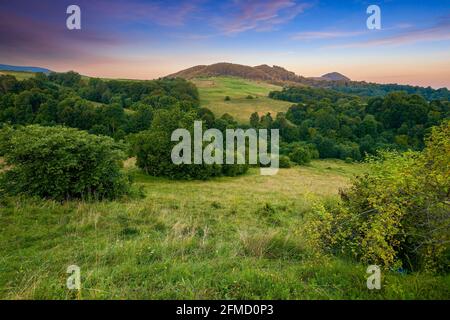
<point>20,75</point>
<point>228,238</point>
<point>214,90</point>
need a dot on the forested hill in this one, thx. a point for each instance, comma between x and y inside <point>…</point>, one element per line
<point>345,126</point>
<point>280,76</point>
<point>108,107</point>
<point>7,67</point>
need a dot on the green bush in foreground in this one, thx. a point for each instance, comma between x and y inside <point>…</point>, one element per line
<point>61,163</point>
<point>397,215</point>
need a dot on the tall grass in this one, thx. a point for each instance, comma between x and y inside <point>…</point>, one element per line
<point>228,238</point>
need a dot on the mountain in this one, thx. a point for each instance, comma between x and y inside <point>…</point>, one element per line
<point>6,67</point>
<point>275,74</point>
<point>335,76</point>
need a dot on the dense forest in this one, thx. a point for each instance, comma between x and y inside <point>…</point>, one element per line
<point>345,126</point>
<point>114,108</point>
<point>364,89</point>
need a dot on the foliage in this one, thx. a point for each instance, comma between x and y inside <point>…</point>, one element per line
<point>300,155</point>
<point>398,214</point>
<point>284,162</point>
<point>61,163</point>
<point>153,147</point>
<point>347,127</point>
<point>108,107</point>
<point>365,89</point>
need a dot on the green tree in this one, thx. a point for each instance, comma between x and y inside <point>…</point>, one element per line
<point>254,120</point>
<point>62,163</point>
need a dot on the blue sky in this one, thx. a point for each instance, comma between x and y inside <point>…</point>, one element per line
<point>148,39</point>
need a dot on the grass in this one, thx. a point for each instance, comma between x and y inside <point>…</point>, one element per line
<point>228,238</point>
<point>214,90</point>
<point>20,75</point>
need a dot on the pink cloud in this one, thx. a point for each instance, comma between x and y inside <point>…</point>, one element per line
<point>437,32</point>
<point>260,15</point>
<point>317,35</point>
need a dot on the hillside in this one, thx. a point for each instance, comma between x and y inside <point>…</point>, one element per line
<point>275,74</point>
<point>237,238</point>
<point>213,91</point>
<point>7,67</point>
<point>19,75</point>
<point>335,76</point>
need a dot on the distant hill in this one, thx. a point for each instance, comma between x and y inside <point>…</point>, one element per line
<point>279,76</point>
<point>7,67</point>
<point>335,76</point>
<point>275,74</point>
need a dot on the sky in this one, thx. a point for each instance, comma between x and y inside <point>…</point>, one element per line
<point>143,39</point>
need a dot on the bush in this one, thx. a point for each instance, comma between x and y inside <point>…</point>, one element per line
<point>300,155</point>
<point>398,214</point>
<point>284,162</point>
<point>227,98</point>
<point>62,163</point>
<point>232,170</point>
<point>153,150</point>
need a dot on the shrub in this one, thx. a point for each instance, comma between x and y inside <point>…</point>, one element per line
<point>153,155</point>
<point>62,163</point>
<point>300,155</point>
<point>397,214</point>
<point>284,162</point>
<point>227,98</point>
<point>153,150</point>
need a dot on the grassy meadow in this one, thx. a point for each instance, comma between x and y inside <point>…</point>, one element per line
<point>227,238</point>
<point>20,75</point>
<point>213,91</point>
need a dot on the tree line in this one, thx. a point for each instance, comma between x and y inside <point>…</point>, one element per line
<point>328,124</point>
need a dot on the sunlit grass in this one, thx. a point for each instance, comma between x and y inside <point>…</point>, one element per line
<point>214,90</point>
<point>20,75</point>
<point>228,238</point>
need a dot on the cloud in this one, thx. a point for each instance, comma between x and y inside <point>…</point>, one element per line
<point>318,35</point>
<point>159,13</point>
<point>438,32</point>
<point>260,15</point>
<point>39,39</point>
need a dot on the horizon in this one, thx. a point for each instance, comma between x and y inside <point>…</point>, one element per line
<point>150,39</point>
